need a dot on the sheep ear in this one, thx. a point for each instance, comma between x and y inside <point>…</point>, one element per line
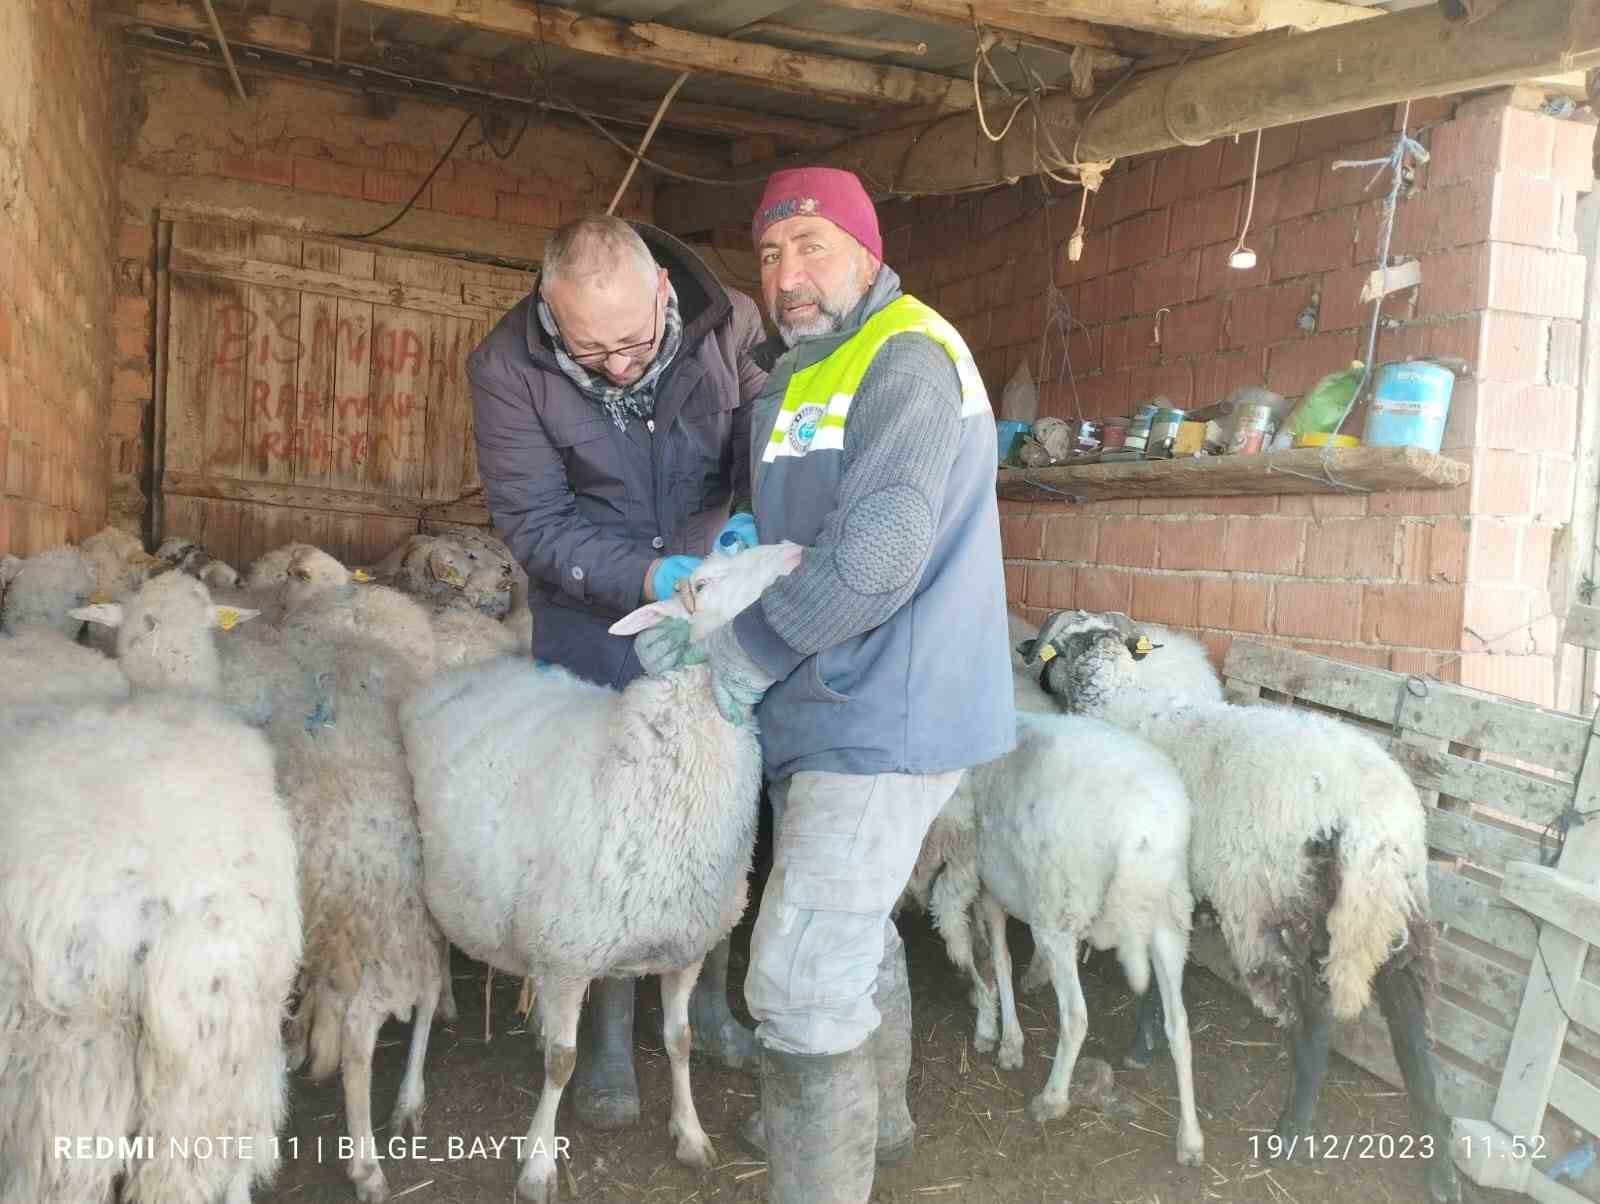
<point>648,616</point>
<point>1140,646</point>
<point>226,617</point>
<point>108,614</point>
<point>1025,651</point>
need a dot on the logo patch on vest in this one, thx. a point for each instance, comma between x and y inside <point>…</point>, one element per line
<point>804,428</point>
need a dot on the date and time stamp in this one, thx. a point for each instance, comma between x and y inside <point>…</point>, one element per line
<point>1384,1147</point>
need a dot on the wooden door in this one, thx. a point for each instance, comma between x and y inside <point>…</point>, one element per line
<point>316,390</point>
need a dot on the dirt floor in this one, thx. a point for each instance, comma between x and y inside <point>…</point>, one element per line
<point>975,1141</point>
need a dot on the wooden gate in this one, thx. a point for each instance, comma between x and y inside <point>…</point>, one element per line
<point>315,390</point>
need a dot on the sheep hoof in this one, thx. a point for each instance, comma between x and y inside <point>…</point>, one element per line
<point>1191,1155</point>
<point>1010,1057</point>
<point>406,1121</point>
<point>371,1188</point>
<point>694,1148</point>
<point>1042,1108</point>
<point>983,1042</point>
<point>537,1186</point>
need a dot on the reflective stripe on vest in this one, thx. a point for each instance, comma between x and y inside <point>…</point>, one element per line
<point>817,399</point>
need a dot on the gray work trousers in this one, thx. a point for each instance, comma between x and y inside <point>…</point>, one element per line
<point>845,845</point>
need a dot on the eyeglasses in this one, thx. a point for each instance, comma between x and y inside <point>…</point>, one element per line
<point>637,352</point>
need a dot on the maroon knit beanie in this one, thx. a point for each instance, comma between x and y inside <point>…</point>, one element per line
<point>823,192</point>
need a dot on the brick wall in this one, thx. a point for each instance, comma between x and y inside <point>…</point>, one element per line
<point>57,197</point>
<point>322,160</point>
<point>1416,581</point>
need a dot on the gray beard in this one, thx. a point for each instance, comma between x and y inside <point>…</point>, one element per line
<point>826,322</point>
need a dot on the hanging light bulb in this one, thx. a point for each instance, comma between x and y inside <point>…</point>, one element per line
<point>1242,257</point>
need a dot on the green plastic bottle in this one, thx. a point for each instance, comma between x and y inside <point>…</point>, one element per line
<point>1319,411</point>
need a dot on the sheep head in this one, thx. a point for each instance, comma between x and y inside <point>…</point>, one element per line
<point>44,588</point>
<point>718,589</point>
<point>1087,658</point>
<point>312,574</point>
<point>163,632</point>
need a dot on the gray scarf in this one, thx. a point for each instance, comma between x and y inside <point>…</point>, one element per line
<point>636,400</point>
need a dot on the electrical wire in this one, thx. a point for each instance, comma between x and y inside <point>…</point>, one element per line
<point>426,180</point>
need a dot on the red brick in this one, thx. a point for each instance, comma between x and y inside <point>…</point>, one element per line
<point>1101,589</point>
<point>1214,601</point>
<point>1419,501</point>
<point>451,196</point>
<point>1175,382</point>
<point>1165,598</point>
<point>1107,298</point>
<point>1459,337</point>
<point>1264,545</point>
<point>1496,618</point>
<point>1513,347</point>
<point>135,241</point>
<point>1331,133</point>
<point>1523,417</point>
<point>1492,553</point>
<point>1107,394</point>
<point>393,187</point>
<point>1139,239</point>
<point>322,175</point>
<point>1455,281</point>
<point>1049,586</point>
<point>1016,573</point>
<point>1245,504</point>
<point>126,419</point>
<point>1573,162</point>
<point>1192,544</point>
<point>416,160</point>
<point>1526,210</point>
<point>1293,194</point>
<point>1022,536</point>
<point>1091,263</point>
<point>1533,568</point>
<point>1528,280</point>
<point>1277,149</point>
<point>1434,553</point>
<point>1293,368</point>
<point>1566,346</point>
<point>1128,344</point>
<point>1435,219</point>
<point>1252,602</point>
<point>1205,219</point>
<point>1530,141</point>
<point>1340,186</point>
<point>1193,329</point>
<point>132,342</point>
<point>1170,281</point>
<point>1555,490</point>
<point>1128,542</point>
<point>1070,537</point>
<point>1360,548</point>
<point>1186,172</point>
<point>1461,149</point>
<point>1425,616</point>
<point>955,300</point>
<point>1314,245</point>
<point>1342,308</point>
<point>1217,376</point>
<point>261,166</point>
<point>1319,609</point>
<point>1267,315</point>
<point>1124,194</point>
<point>1504,483</point>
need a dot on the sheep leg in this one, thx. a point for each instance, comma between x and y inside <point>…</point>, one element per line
<point>357,1041</point>
<point>1308,1037</point>
<point>448,1012</point>
<point>409,1106</point>
<point>1401,995</point>
<point>559,1005</point>
<point>1149,1035</point>
<point>1169,951</point>
<point>694,1147</point>
<point>994,917</point>
<point>1037,976</point>
<point>1072,1026</point>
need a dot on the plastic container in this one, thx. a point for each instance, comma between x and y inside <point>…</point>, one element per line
<point>1410,404</point>
<point>1139,429</point>
<point>1006,431</point>
<point>1317,439</point>
<point>1163,431</point>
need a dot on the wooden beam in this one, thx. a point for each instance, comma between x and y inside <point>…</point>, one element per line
<point>498,78</point>
<point>812,75</point>
<point>1272,82</point>
<point>1199,18</point>
<point>1048,24</point>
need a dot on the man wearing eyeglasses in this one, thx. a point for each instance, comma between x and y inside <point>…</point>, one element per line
<point>613,438</point>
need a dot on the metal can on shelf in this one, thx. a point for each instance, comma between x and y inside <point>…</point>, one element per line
<point>1113,434</point>
<point>1163,432</point>
<point>1252,427</point>
<point>1086,436</point>
<point>1139,429</point>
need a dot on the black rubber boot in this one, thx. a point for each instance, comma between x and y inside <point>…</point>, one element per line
<point>820,1114</point>
<point>890,1048</point>
<point>606,1093</point>
<point>714,1030</point>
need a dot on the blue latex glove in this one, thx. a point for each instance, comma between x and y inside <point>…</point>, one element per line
<point>669,572</point>
<point>738,533</point>
<point>664,647</point>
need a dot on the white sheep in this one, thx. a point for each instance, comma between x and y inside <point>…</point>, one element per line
<point>39,661</point>
<point>190,556</point>
<point>1309,842</point>
<point>371,948</point>
<point>149,929</point>
<point>1081,831</point>
<point>572,832</point>
<point>1184,666</point>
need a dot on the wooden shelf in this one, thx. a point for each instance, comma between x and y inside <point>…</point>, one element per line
<point>1296,471</point>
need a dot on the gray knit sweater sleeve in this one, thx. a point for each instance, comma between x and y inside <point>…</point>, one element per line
<point>900,442</point>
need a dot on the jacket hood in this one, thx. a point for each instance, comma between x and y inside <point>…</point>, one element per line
<point>702,301</point>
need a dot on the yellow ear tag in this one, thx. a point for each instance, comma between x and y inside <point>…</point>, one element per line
<point>99,598</point>
<point>362,575</point>
<point>1047,653</point>
<point>227,616</point>
<point>1144,645</point>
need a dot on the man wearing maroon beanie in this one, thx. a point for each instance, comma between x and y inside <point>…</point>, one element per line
<point>878,670</point>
